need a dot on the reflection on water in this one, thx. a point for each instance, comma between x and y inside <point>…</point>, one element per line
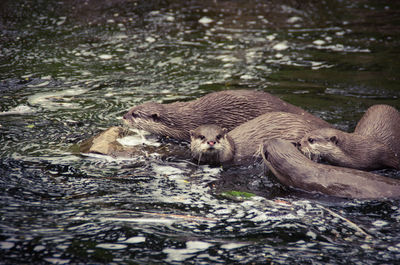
<point>71,69</point>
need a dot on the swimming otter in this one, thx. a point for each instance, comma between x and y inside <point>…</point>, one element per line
<point>375,143</point>
<point>226,108</point>
<point>295,170</point>
<point>214,144</point>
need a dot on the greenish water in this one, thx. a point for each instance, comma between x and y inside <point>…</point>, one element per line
<point>73,68</point>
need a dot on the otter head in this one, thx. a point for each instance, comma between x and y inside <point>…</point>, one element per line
<point>321,144</point>
<point>211,144</point>
<point>155,118</point>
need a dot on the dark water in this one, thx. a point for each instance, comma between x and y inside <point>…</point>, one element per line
<point>72,68</point>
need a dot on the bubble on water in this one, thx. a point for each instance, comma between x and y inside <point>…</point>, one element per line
<point>247,77</point>
<point>319,42</point>
<point>293,20</point>
<point>228,58</point>
<point>365,246</point>
<point>150,39</point>
<point>231,246</point>
<point>111,246</point>
<point>205,21</point>
<point>192,247</point>
<point>135,240</point>
<point>57,261</point>
<point>39,248</point>
<point>271,37</point>
<point>6,245</point>
<point>380,223</point>
<point>105,56</point>
<point>280,46</point>
<point>85,73</point>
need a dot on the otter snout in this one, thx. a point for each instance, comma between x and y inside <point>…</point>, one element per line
<point>211,143</point>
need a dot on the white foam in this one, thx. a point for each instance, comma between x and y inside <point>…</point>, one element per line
<point>280,46</point>
<point>205,21</point>
<point>105,56</point>
<point>19,110</point>
<point>135,140</point>
<point>57,100</point>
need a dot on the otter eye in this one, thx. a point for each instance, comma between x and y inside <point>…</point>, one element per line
<point>202,137</point>
<point>311,140</point>
<point>154,116</point>
<point>219,137</point>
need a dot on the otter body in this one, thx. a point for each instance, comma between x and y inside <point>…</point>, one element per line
<point>213,144</point>
<point>226,108</point>
<point>375,143</point>
<point>383,123</point>
<point>295,170</point>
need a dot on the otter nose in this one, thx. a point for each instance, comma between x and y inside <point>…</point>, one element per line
<point>211,143</point>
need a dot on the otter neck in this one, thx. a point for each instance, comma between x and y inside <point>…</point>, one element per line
<point>228,152</point>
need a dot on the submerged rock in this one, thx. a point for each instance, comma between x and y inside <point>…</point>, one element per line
<point>119,142</point>
<point>106,143</point>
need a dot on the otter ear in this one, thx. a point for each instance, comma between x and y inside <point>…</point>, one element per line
<point>334,139</point>
<point>225,130</point>
<point>192,133</point>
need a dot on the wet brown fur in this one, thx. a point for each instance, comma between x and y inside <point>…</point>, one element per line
<point>373,145</point>
<point>228,109</point>
<point>293,169</point>
<point>245,139</point>
<point>383,123</point>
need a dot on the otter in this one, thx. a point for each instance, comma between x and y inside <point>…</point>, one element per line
<point>228,109</point>
<point>293,169</point>
<point>374,144</point>
<point>214,144</point>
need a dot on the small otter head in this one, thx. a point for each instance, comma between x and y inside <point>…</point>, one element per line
<point>321,143</point>
<point>155,118</point>
<point>211,144</point>
<point>150,112</point>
